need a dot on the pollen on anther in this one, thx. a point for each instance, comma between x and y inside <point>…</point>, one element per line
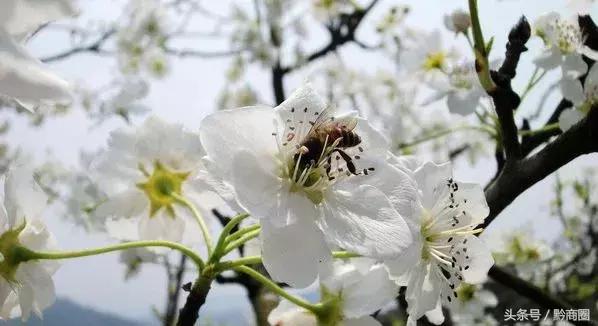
<point>292,109</point>
<point>357,157</point>
<point>305,110</point>
<point>360,149</point>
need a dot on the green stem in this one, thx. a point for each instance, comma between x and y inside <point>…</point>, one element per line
<point>242,232</point>
<point>220,245</point>
<point>234,244</point>
<point>200,221</point>
<point>252,260</point>
<point>549,127</point>
<point>532,82</point>
<point>482,65</point>
<point>314,308</point>
<point>446,132</point>
<point>28,254</point>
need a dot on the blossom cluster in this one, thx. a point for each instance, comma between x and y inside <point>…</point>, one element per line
<point>332,201</point>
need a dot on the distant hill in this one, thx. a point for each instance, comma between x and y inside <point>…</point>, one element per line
<point>67,313</point>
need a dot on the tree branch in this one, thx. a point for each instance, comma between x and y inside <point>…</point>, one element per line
<point>505,99</point>
<point>93,47</point>
<point>339,35</point>
<point>189,314</point>
<point>530,291</point>
<point>522,174</point>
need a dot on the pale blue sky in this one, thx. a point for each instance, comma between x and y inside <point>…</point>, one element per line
<point>188,94</point>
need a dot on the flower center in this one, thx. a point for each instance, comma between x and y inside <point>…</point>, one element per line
<point>9,261</point>
<point>161,186</point>
<point>434,60</point>
<point>465,292</point>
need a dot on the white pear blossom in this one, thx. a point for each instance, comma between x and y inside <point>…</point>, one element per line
<point>458,21</point>
<point>140,171</point>
<point>294,180</point>
<point>125,102</point>
<point>25,287</point>
<point>564,47</point>
<point>425,54</point>
<point>583,99</point>
<point>22,76</point>
<point>445,251</point>
<point>353,291</point>
<point>461,87</point>
<point>141,39</point>
<point>471,304</point>
<point>326,10</point>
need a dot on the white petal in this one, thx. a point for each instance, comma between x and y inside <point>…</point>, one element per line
<point>591,82</point>
<point>287,313</point>
<point>258,191</point>
<point>431,179</point>
<point>399,185</point>
<point>361,321</point>
<point>126,204</point>
<point>572,90</point>
<point>294,253</point>
<point>574,66</point>
<point>23,77</point>
<point>422,292</point>
<point>399,267</point>
<point>372,292</point>
<point>23,197</point>
<point>224,133</point>
<point>161,227</point>
<point>480,263</point>
<point>549,59</point>
<point>361,219</point>
<point>436,316</point>
<point>569,118</point>
<point>21,17</point>
<point>125,229</point>
<point>463,102</point>
<point>37,289</point>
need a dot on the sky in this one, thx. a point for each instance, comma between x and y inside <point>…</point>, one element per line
<point>189,92</point>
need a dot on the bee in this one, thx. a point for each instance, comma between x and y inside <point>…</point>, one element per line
<point>324,133</point>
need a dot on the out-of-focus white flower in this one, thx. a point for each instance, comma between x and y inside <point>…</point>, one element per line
<point>353,290</point>
<point>135,257</point>
<point>471,303</point>
<point>291,168</point>
<point>126,101</point>
<point>564,48</point>
<point>425,54</point>
<point>445,251</point>
<point>583,99</point>
<point>458,21</point>
<point>140,171</point>
<point>25,287</point>
<point>461,87</point>
<point>22,76</point>
<point>326,10</point>
<point>141,40</point>
<point>521,249</point>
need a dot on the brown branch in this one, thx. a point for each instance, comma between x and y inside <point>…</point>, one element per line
<point>94,47</point>
<point>174,289</point>
<point>340,34</point>
<point>505,99</point>
<point>522,174</point>
<point>189,314</point>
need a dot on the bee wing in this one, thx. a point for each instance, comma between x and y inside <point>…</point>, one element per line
<point>325,117</point>
<point>347,122</point>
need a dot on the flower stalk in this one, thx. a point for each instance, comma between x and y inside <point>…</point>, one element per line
<point>480,49</point>
<point>26,254</point>
<point>200,221</point>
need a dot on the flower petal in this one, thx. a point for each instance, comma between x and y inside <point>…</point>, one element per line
<point>422,291</point>
<point>224,133</point>
<point>463,102</point>
<point>361,219</point>
<point>480,261</point>
<point>372,292</point>
<point>161,227</point>
<point>23,197</point>
<point>294,253</point>
<point>21,17</point>
<point>569,118</point>
<point>430,176</point>
<point>23,77</point>
<point>572,90</point>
